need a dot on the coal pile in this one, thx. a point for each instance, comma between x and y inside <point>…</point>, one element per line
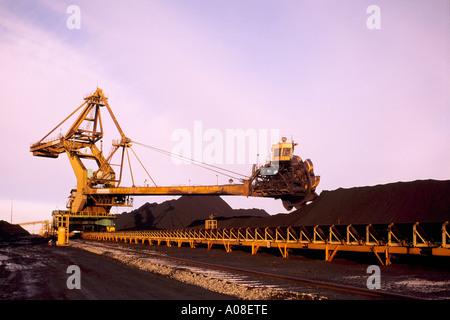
<point>181,213</point>
<point>400,202</point>
<point>11,231</point>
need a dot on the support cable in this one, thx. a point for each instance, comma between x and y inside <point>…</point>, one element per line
<point>143,166</point>
<point>129,164</point>
<point>62,122</point>
<point>201,164</point>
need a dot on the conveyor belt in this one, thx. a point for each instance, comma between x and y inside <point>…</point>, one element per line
<point>381,239</point>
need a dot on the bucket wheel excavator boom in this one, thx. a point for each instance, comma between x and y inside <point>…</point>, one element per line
<point>285,177</point>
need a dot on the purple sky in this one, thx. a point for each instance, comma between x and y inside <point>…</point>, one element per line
<point>367,106</point>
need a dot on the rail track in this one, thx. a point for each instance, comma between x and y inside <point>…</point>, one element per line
<point>246,276</point>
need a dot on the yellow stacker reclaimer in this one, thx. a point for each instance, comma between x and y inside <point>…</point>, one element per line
<point>286,176</point>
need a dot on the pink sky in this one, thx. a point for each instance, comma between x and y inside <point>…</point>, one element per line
<point>367,106</point>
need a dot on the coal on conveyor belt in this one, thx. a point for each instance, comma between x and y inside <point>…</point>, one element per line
<point>400,202</point>
<point>180,213</point>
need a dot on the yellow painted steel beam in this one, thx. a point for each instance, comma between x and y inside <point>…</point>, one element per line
<point>440,252</point>
<point>29,223</point>
<point>284,238</point>
<point>231,189</point>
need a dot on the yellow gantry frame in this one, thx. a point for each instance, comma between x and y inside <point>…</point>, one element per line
<point>104,197</point>
<point>328,239</point>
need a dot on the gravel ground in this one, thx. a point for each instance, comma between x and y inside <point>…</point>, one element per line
<point>30,269</point>
<point>423,277</point>
<point>219,282</point>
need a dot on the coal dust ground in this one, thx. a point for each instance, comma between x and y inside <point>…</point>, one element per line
<point>30,269</point>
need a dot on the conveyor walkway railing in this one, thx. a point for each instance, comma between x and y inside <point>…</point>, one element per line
<point>383,240</point>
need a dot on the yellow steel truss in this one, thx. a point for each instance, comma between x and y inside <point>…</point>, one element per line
<point>331,240</point>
